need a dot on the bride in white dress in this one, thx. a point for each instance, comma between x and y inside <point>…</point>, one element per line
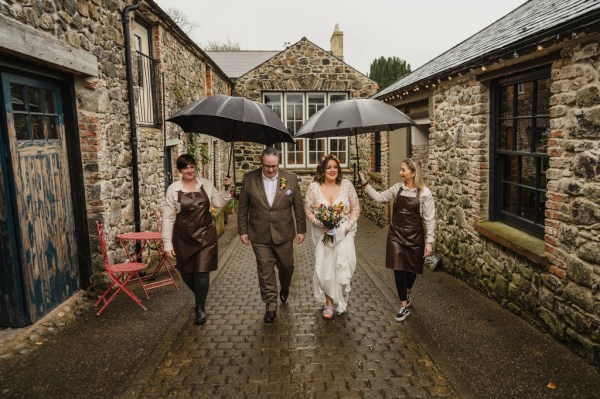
<point>335,261</point>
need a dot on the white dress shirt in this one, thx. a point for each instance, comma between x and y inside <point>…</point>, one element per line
<point>270,185</point>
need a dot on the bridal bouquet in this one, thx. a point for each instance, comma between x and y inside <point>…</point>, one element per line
<point>331,216</point>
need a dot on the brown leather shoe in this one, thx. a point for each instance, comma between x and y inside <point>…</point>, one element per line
<point>270,316</point>
<point>283,295</point>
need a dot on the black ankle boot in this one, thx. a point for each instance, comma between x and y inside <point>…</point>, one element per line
<point>200,315</point>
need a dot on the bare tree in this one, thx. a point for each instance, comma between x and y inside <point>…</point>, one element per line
<point>182,20</point>
<point>217,45</point>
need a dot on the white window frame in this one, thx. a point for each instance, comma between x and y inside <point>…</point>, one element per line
<point>306,144</point>
<point>297,150</point>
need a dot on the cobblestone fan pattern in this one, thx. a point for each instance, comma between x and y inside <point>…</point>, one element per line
<point>363,354</point>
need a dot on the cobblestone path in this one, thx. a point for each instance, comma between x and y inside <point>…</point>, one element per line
<point>363,354</point>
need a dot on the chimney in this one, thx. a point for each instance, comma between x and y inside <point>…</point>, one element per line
<point>337,43</point>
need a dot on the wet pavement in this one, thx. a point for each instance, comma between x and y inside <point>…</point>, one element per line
<point>362,354</point>
<point>456,343</point>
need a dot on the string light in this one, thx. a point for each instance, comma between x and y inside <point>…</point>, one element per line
<point>574,35</point>
<point>515,54</point>
<point>449,77</point>
<point>439,80</point>
<point>539,47</point>
<point>483,68</point>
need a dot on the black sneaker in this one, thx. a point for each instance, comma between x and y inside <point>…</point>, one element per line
<point>402,314</point>
<point>408,301</point>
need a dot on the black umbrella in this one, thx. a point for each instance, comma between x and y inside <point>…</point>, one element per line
<point>352,117</point>
<point>232,119</point>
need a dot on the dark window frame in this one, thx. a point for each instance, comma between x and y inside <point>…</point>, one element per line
<point>500,156</point>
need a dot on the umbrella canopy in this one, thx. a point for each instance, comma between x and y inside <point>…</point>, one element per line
<point>232,119</point>
<point>350,117</point>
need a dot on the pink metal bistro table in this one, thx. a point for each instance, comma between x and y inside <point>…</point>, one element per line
<point>146,238</point>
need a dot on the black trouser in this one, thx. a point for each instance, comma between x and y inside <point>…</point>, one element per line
<point>404,282</point>
<point>198,283</point>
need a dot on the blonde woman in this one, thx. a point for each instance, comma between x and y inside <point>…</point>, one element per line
<point>411,232</point>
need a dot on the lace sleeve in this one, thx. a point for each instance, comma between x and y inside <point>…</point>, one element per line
<point>354,205</point>
<point>309,201</point>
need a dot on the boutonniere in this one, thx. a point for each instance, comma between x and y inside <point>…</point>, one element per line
<point>282,183</point>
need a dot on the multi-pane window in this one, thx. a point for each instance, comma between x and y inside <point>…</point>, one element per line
<point>294,117</point>
<point>35,113</point>
<point>295,108</point>
<point>521,125</point>
<point>317,147</point>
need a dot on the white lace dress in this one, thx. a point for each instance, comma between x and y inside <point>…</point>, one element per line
<point>334,262</point>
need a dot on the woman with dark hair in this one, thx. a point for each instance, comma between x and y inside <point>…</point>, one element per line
<point>412,229</point>
<point>335,257</point>
<point>189,230</point>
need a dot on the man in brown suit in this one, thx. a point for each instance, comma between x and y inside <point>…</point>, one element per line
<point>270,201</point>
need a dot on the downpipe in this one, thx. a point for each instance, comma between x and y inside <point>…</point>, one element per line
<point>132,120</point>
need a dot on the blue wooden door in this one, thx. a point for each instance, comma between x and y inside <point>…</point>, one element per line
<point>43,225</point>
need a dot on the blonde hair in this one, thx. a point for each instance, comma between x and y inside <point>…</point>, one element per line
<point>415,167</point>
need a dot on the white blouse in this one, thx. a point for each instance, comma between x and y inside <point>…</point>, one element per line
<point>426,206</point>
<point>218,199</point>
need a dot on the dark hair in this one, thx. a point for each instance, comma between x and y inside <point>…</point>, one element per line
<point>184,160</point>
<point>270,151</point>
<point>322,167</point>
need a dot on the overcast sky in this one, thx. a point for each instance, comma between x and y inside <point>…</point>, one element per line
<point>414,30</point>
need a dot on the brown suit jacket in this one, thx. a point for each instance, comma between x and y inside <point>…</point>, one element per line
<point>266,224</point>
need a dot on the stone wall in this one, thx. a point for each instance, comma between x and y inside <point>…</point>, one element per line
<point>563,297</point>
<point>303,66</point>
<point>573,201</point>
<point>102,105</point>
<point>420,153</point>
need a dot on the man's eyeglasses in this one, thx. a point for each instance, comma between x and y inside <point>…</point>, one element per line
<point>270,166</point>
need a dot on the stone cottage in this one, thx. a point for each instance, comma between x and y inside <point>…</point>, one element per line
<point>296,83</point>
<point>512,156</point>
<point>86,86</point>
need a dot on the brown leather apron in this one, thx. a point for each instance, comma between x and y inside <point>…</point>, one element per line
<point>195,234</point>
<point>406,236</point>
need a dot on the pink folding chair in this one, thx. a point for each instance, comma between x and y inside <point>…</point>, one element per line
<point>119,274</point>
<point>158,221</point>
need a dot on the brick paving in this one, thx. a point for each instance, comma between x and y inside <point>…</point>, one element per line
<point>363,354</point>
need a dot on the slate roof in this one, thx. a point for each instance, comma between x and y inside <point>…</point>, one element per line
<point>529,23</point>
<point>238,63</point>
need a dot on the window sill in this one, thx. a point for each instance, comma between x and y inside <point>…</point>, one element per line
<point>515,240</point>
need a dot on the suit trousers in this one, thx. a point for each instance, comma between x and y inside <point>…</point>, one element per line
<point>268,256</point>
